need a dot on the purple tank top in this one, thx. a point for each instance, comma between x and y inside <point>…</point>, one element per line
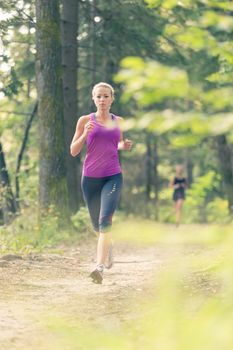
<point>102,157</point>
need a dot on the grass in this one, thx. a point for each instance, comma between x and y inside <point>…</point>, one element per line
<point>24,235</point>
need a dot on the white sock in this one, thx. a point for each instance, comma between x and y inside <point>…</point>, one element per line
<point>100,267</point>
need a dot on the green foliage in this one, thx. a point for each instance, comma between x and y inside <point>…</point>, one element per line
<point>17,40</point>
<point>202,46</point>
<point>12,85</point>
<point>176,77</point>
<point>26,235</point>
<point>81,221</point>
<point>198,196</point>
<point>150,82</point>
<point>169,4</point>
<point>184,92</point>
<point>217,211</point>
<point>203,185</point>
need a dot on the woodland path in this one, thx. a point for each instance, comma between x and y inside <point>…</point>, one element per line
<point>42,286</point>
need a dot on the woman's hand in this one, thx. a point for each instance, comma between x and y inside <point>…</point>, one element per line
<point>88,127</point>
<point>125,145</point>
<point>176,186</point>
<point>128,145</point>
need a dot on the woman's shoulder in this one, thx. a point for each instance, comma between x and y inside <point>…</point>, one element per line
<point>83,119</point>
<point>119,120</point>
<point>117,117</point>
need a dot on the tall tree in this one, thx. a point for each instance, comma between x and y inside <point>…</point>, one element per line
<point>52,182</point>
<point>226,165</point>
<point>151,171</point>
<point>21,153</point>
<point>7,201</point>
<point>69,64</point>
<point>93,42</point>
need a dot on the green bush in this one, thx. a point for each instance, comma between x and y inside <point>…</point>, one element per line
<point>217,211</point>
<point>25,234</point>
<point>81,221</point>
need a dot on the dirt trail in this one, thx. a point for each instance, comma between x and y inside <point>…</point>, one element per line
<point>56,284</point>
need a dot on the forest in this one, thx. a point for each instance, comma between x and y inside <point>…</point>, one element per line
<point>173,86</point>
<point>171,65</point>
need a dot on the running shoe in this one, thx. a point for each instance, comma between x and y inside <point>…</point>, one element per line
<point>97,276</point>
<point>110,259</point>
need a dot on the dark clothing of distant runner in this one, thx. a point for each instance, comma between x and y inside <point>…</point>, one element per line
<point>179,193</point>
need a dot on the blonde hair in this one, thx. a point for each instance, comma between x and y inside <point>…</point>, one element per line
<point>104,85</point>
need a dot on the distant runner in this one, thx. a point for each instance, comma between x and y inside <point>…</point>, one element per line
<point>179,184</point>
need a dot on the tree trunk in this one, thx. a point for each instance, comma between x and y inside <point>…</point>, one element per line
<point>52,172</point>
<point>7,200</point>
<point>93,43</point>
<point>156,176</point>
<point>69,63</point>
<point>21,152</point>
<point>226,165</point>
<point>148,167</point>
<point>189,167</point>
<point>152,179</point>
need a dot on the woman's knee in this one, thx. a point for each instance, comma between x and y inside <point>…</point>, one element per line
<point>105,223</point>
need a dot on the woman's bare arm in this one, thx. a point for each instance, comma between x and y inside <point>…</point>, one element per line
<point>171,183</point>
<point>123,145</point>
<point>83,128</point>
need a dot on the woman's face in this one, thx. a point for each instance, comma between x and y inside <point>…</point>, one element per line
<point>179,170</point>
<point>102,98</point>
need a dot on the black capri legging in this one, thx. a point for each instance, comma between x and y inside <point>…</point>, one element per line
<point>102,197</point>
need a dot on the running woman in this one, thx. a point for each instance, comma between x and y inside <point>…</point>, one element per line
<point>179,184</point>
<point>102,176</point>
